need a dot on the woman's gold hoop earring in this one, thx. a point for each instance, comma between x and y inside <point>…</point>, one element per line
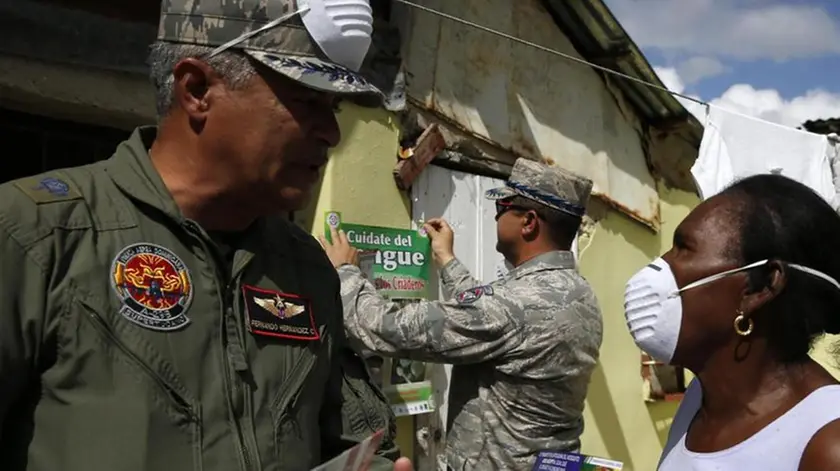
<point>739,324</point>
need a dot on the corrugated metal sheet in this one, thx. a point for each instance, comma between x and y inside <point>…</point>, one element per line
<point>675,133</point>
<point>596,33</point>
<point>527,101</point>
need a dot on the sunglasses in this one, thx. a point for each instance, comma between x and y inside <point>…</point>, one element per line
<point>504,206</point>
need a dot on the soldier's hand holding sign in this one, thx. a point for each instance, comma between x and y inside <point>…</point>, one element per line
<point>339,251</point>
<point>443,240</point>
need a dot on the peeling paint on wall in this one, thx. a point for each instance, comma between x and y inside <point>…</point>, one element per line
<point>527,102</point>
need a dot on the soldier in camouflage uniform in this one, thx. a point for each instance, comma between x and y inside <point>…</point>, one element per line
<point>524,347</point>
<point>156,312</point>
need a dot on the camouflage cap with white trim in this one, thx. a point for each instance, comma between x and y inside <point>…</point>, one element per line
<point>548,185</point>
<point>286,48</point>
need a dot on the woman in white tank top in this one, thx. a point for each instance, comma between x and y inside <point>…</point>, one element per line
<point>749,284</point>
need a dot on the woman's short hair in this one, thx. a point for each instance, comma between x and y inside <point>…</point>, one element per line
<point>781,219</point>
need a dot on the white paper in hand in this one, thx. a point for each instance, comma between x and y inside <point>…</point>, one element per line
<point>357,458</point>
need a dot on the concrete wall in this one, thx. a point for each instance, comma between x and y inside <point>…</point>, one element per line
<point>528,101</point>
<point>76,93</point>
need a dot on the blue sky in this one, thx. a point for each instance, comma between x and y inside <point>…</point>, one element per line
<point>776,59</point>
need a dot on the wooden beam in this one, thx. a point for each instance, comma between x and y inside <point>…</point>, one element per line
<point>428,146</point>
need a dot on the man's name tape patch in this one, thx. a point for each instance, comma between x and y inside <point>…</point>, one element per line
<point>275,314</point>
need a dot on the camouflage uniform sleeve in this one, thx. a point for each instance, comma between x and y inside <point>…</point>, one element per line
<point>455,277</point>
<point>480,327</point>
<point>23,307</point>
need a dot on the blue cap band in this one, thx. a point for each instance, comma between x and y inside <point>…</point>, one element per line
<point>548,199</point>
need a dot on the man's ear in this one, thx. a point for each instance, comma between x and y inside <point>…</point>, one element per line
<point>192,81</point>
<point>529,224</point>
<point>770,286</point>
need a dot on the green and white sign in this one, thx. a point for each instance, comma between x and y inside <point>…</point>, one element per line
<point>411,398</point>
<point>397,261</point>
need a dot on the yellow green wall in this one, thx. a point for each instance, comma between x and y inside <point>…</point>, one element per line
<point>358,182</point>
<point>619,424</point>
<point>827,353</point>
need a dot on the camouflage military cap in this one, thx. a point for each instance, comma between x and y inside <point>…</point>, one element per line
<point>548,185</point>
<point>286,48</point>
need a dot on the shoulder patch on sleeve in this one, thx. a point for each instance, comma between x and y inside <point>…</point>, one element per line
<point>47,189</point>
<point>469,296</point>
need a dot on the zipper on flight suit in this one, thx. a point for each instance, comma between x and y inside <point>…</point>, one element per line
<point>249,438</point>
<point>225,300</point>
<point>287,400</point>
<point>296,380</point>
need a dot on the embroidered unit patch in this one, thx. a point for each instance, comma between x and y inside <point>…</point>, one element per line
<point>47,189</point>
<point>472,295</point>
<point>154,286</point>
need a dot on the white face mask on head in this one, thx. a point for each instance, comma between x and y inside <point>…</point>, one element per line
<point>653,306</point>
<point>341,28</point>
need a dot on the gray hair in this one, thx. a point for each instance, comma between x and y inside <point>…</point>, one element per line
<point>232,65</point>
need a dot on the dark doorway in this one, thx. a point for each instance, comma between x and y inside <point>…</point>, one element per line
<point>33,144</point>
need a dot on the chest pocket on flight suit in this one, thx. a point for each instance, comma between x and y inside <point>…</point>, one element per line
<point>110,385</point>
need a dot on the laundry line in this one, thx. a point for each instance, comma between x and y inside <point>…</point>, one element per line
<point>833,138</point>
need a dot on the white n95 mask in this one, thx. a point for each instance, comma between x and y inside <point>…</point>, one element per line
<point>341,28</point>
<point>653,306</point>
<point>653,315</point>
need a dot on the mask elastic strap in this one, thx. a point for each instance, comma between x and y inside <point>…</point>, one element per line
<point>709,279</point>
<point>816,273</point>
<point>803,269</point>
<point>250,34</point>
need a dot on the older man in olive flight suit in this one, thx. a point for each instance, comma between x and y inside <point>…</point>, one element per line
<point>156,312</point>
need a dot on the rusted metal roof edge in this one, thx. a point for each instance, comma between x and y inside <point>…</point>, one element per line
<point>468,152</point>
<point>597,34</point>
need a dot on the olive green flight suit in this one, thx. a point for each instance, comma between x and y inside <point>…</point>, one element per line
<point>126,336</point>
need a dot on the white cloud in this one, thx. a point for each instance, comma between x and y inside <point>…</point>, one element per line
<point>770,105</point>
<point>766,104</point>
<point>740,29</point>
<point>698,68</point>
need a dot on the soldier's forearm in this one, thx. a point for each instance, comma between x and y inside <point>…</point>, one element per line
<point>431,331</point>
<point>353,287</point>
<point>380,325</point>
<point>455,277</point>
